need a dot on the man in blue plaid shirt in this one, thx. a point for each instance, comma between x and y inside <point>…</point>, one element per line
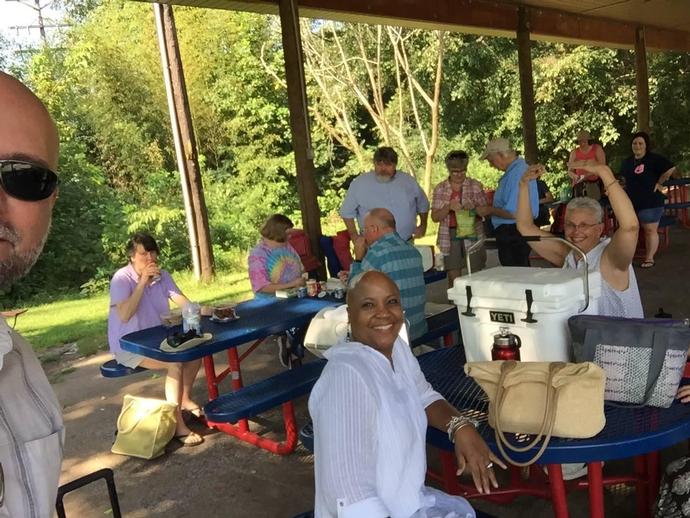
<point>382,249</point>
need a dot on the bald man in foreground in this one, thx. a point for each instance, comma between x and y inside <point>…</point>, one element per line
<point>382,249</point>
<point>31,427</point>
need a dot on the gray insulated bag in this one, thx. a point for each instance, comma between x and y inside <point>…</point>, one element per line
<point>644,359</point>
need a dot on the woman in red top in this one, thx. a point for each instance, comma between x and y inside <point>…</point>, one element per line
<point>583,184</point>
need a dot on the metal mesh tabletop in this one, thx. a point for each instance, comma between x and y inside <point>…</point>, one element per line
<point>629,430</point>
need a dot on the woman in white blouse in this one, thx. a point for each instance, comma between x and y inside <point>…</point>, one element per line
<point>370,410</point>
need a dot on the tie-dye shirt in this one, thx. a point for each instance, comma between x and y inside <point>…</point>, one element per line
<point>273,265</point>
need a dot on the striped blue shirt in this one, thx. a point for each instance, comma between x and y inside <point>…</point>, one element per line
<point>402,262</point>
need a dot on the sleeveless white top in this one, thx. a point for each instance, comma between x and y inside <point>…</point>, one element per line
<point>613,302</point>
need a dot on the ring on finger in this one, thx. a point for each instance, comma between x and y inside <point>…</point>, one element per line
<point>490,465</point>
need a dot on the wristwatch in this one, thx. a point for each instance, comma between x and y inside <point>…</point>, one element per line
<point>457,422</point>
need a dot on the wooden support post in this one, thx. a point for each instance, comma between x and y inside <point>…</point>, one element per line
<point>177,140</point>
<point>642,81</point>
<point>184,117</point>
<point>529,121</point>
<point>299,124</point>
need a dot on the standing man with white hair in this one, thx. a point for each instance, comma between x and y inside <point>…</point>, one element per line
<point>612,257</point>
<point>512,249</point>
<point>31,427</point>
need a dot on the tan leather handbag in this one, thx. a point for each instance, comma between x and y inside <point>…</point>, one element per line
<point>543,399</point>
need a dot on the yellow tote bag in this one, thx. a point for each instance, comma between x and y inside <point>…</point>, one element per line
<point>145,427</point>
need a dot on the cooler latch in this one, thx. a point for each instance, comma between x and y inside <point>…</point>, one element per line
<point>468,312</point>
<point>529,318</point>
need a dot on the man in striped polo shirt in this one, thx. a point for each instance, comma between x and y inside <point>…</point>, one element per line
<point>382,249</point>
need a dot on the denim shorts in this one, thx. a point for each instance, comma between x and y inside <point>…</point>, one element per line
<point>652,215</point>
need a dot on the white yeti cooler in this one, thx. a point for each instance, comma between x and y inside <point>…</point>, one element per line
<point>500,297</point>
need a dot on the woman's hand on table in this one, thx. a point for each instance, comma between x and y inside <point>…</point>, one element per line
<point>683,394</point>
<point>474,455</point>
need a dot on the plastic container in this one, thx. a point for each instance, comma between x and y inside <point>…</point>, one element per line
<point>500,298</point>
<point>191,317</point>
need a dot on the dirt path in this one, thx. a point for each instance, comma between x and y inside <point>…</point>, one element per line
<point>222,477</point>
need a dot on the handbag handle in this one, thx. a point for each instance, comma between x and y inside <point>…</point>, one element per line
<point>506,368</point>
<point>547,425</point>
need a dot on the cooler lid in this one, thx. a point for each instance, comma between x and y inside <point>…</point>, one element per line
<point>510,282</point>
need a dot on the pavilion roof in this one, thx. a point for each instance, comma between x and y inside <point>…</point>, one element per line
<point>610,23</point>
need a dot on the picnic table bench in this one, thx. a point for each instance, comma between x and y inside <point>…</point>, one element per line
<point>283,388</point>
<point>252,400</point>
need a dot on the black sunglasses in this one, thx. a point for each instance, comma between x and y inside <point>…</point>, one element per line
<point>177,339</point>
<point>26,181</point>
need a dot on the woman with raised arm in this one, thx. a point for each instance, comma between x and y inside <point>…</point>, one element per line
<point>583,227</point>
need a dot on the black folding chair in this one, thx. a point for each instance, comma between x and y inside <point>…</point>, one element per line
<point>105,473</point>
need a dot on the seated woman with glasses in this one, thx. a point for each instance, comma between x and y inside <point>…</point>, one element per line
<point>452,206</point>
<point>583,226</point>
<point>370,410</point>
<point>139,295</point>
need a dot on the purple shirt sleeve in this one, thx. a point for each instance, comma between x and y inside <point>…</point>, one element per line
<point>169,284</point>
<point>121,288</point>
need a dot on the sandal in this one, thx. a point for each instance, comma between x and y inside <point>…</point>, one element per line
<point>190,439</point>
<point>194,412</point>
<point>647,264</point>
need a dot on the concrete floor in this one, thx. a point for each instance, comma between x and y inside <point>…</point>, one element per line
<point>226,478</point>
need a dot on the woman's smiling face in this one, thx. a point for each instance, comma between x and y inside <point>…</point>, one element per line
<point>375,312</point>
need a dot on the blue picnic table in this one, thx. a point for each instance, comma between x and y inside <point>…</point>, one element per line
<point>630,431</point>
<point>257,319</point>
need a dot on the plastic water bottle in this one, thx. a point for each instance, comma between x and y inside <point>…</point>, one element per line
<point>191,317</point>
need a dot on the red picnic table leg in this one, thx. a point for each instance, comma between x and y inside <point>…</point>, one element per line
<point>595,478</point>
<point>211,380</point>
<point>653,476</point>
<point>558,495</point>
<point>641,486</point>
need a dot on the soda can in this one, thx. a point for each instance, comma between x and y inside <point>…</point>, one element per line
<point>301,292</point>
<point>323,287</point>
<point>312,288</point>
<point>339,293</point>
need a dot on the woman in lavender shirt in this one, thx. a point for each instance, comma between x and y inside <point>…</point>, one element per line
<point>139,295</point>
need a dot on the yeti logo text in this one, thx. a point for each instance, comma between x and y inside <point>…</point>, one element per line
<point>502,317</point>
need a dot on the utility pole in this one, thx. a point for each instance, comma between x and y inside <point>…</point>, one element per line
<point>41,25</point>
<point>190,155</point>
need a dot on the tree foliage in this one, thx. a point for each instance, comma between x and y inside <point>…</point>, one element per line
<point>423,92</point>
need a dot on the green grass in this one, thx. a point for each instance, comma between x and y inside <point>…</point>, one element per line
<point>84,319</point>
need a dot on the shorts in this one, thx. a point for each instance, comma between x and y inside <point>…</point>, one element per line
<point>456,259</point>
<point>128,359</point>
<point>652,215</point>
